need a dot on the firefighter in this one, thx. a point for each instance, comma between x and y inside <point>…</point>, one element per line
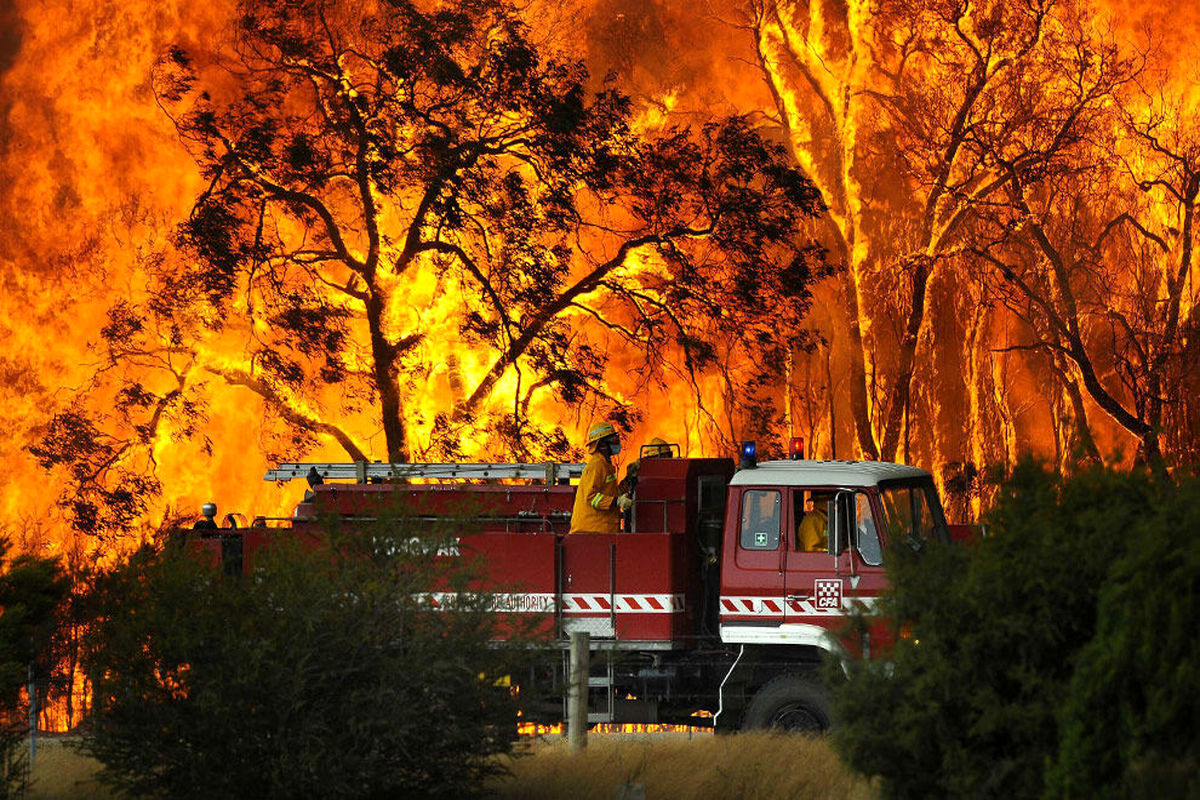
<point>655,448</point>
<point>597,507</point>
<point>208,510</point>
<point>813,531</point>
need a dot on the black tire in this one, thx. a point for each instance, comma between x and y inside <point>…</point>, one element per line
<point>793,703</point>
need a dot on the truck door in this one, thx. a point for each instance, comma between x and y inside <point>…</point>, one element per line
<point>752,575</point>
<point>811,581</point>
<point>821,585</point>
<point>860,557</point>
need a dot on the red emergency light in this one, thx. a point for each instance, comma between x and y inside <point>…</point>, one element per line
<point>797,448</point>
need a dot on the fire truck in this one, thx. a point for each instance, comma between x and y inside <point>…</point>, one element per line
<point>705,610</point>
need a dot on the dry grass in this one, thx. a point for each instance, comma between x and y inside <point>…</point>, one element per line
<point>61,773</point>
<point>748,766</point>
<point>613,767</point>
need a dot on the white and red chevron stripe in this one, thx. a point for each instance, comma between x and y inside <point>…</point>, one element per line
<point>575,603</point>
<point>768,607</point>
<point>588,603</point>
<point>650,603</point>
<point>758,606</point>
<point>754,606</point>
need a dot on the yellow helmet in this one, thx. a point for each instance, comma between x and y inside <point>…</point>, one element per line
<point>657,448</point>
<point>599,430</point>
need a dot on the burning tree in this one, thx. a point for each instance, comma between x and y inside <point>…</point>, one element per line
<point>1097,259</point>
<point>400,198</point>
<point>531,245</point>
<point>915,120</point>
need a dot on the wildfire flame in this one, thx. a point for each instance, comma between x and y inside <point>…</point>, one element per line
<point>93,180</point>
<point>557,729</point>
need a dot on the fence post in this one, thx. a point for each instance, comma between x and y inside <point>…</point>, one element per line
<point>33,714</point>
<point>577,691</point>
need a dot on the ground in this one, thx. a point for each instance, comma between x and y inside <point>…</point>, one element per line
<point>627,766</point>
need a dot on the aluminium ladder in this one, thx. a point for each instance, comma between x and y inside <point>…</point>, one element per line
<point>364,471</point>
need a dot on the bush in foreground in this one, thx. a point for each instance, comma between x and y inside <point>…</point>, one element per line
<point>31,589</point>
<point>999,632</point>
<point>1131,720</point>
<point>324,673</point>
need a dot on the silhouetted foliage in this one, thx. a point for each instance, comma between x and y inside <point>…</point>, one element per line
<point>387,184</point>
<point>324,672</point>
<point>360,150</point>
<point>31,590</point>
<point>998,632</point>
<point>1129,722</point>
<point>104,494</point>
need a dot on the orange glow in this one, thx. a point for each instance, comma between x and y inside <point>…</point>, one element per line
<point>537,729</point>
<point>94,180</point>
<point>557,729</point>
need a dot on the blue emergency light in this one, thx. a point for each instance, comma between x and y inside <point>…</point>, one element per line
<point>749,455</point>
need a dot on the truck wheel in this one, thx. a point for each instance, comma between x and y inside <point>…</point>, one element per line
<point>790,703</point>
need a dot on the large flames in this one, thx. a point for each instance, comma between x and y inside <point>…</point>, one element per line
<point>960,202</point>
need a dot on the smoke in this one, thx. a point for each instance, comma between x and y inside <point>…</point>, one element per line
<point>92,177</point>
<point>677,56</point>
<point>11,32</point>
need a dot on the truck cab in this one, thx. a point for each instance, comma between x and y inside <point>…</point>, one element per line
<point>776,588</point>
<point>784,600</point>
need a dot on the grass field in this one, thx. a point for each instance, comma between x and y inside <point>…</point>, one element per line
<point>613,767</point>
<point>748,766</point>
<point>60,773</point>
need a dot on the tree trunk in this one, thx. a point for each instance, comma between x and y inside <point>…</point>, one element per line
<point>829,383</point>
<point>1171,340</point>
<point>1083,439</point>
<point>1001,391</point>
<point>391,409</point>
<point>859,408</point>
<point>1150,451</point>
<point>976,432</point>
<point>902,386</point>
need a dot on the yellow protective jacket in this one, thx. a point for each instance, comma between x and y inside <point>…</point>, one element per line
<point>813,532</point>
<point>595,509</point>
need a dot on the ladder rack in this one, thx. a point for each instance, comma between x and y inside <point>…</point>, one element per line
<point>363,471</point>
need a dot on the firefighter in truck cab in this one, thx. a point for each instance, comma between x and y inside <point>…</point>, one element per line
<point>597,506</point>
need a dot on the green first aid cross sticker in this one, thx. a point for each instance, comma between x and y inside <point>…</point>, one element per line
<point>760,539</point>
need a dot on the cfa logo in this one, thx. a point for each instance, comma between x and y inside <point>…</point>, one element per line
<point>827,594</point>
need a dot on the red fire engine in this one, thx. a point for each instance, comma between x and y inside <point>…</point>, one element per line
<point>705,610</point>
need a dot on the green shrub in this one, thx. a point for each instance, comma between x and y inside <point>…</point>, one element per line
<point>324,673</point>
<point>30,591</point>
<point>966,705</point>
<point>1131,719</point>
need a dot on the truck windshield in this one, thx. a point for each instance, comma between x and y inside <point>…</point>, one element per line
<point>912,513</point>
